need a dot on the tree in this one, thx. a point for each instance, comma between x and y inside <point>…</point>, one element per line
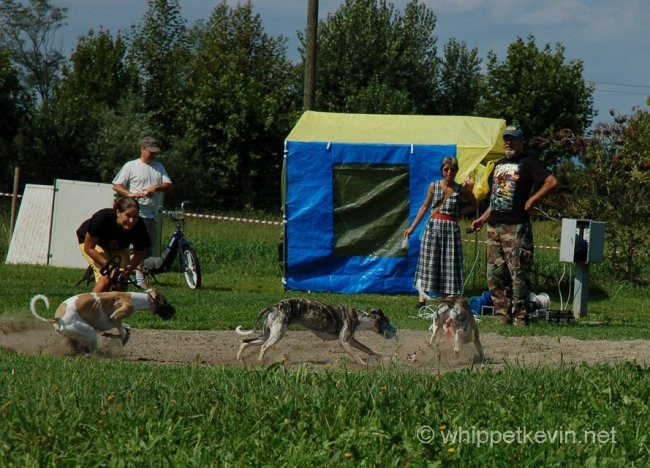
<point>460,79</point>
<point>99,70</point>
<point>105,85</point>
<point>160,50</point>
<point>96,95</point>
<point>372,59</point>
<point>117,139</point>
<point>14,109</point>
<point>29,32</point>
<point>610,183</point>
<point>240,106</point>
<point>102,77</point>
<point>539,91</point>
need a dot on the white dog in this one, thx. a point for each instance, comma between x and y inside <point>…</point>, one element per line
<point>454,316</point>
<point>80,317</point>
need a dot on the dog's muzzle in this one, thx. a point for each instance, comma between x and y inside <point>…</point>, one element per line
<point>389,331</point>
<point>165,311</point>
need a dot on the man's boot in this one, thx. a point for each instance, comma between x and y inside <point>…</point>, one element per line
<point>520,314</point>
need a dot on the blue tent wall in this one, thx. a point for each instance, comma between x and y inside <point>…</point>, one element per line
<point>309,214</point>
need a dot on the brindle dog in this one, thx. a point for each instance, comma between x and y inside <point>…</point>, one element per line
<point>327,321</point>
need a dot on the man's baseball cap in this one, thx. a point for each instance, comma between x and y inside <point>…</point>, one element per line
<point>151,144</point>
<point>513,131</point>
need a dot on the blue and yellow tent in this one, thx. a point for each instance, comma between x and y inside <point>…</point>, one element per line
<point>352,183</point>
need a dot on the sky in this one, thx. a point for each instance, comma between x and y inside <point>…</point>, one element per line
<point>610,37</point>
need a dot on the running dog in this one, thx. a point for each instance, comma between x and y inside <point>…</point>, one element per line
<point>327,321</point>
<point>456,319</point>
<point>80,317</point>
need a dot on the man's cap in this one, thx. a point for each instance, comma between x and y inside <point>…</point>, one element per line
<point>151,144</point>
<point>513,131</point>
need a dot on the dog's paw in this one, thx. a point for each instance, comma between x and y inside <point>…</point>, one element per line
<point>372,360</point>
<point>127,335</point>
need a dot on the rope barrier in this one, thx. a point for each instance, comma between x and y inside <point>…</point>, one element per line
<point>278,223</point>
<point>230,218</point>
<point>548,247</point>
<point>2,194</point>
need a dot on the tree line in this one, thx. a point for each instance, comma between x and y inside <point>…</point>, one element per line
<point>222,95</point>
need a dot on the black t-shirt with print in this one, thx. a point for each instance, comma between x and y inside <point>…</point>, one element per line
<point>111,236</point>
<point>511,184</point>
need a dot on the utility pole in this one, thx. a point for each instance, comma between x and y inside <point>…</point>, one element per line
<point>310,55</point>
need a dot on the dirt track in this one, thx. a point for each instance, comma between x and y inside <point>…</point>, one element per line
<point>218,348</point>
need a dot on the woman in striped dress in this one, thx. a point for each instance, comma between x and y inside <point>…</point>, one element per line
<point>440,264</point>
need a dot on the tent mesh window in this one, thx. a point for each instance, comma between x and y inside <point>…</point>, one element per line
<point>371,203</point>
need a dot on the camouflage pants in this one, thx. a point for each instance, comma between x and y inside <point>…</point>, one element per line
<point>510,252</point>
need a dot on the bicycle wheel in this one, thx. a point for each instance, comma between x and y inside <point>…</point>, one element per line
<point>191,267</point>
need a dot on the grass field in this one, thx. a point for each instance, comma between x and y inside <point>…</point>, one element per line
<point>87,412</point>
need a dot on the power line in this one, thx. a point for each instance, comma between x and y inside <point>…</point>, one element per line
<point>619,84</point>
<point>615,91</point>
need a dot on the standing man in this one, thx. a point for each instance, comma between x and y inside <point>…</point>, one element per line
<point>510,246</point>
<point>145,179</point>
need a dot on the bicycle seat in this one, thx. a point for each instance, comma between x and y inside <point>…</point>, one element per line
<point>153,263</point>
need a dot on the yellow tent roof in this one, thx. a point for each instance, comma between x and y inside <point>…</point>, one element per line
<point>476,138</point>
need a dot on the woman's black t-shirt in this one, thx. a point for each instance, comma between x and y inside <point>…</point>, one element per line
<point>111,236</point>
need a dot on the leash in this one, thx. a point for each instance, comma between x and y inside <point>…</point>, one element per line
<point>111,269</point>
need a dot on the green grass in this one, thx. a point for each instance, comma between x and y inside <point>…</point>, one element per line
<point>81,412</point>
<point>87,412</point>
<point>241,275</point>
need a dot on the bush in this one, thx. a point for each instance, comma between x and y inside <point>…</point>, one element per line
<point>610,182</point>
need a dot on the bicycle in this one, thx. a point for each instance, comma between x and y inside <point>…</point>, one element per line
<point>178,245</point>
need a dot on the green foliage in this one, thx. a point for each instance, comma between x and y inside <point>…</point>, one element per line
<point>371,58</point>
<point>29,32</point>
<point>222,94</point>
<point>59,132</point>
<point>15,105</point>
<point>460,80</point>
<point>160,51</point>
<point>93,121</point>
<point>539,91</point>
<point>99,70</point>
<point>118,137</point>
<point>240,106</point>
<point>85,412</point>
<point>611,183</point>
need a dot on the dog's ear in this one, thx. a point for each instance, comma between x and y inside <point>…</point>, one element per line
<point>377,312</point>
<point>157,297</point>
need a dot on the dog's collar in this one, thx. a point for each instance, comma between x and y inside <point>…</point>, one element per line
<point>149,292</point>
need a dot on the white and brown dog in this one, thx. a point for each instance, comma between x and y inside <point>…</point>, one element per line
<point>80,317</point>
<point>454,316</point>
<point>327,321</point>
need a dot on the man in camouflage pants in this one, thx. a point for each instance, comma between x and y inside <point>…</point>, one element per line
<point>509,233</point>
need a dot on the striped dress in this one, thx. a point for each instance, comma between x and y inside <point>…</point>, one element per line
<point>440,264</point>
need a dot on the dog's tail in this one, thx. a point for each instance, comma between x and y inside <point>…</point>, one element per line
<point>240,331</point>
<point>263,313</point>
<point>32,306</point>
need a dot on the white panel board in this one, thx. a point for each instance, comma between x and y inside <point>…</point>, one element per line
<point>74,202</point>
<point>31,236</point>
